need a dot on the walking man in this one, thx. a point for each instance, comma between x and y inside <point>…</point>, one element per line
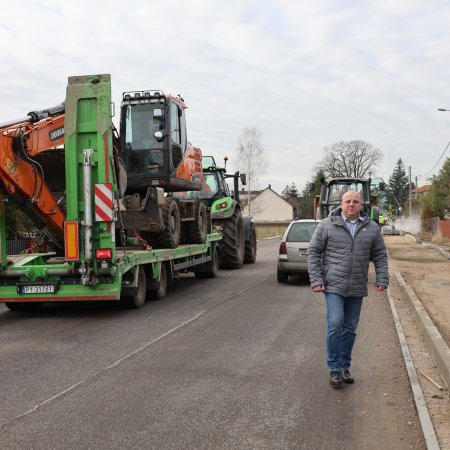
<point>338,265</point>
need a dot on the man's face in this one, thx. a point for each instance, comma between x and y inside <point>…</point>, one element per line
<point>351,205</point>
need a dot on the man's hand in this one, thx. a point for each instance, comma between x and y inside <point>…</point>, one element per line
<point>380,288</point>
<point>319,288</point>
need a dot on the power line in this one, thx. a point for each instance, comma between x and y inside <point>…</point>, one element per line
<point>443,153</point>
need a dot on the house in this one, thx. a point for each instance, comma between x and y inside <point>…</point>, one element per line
<point>419,191</point>
<point>267,207</point>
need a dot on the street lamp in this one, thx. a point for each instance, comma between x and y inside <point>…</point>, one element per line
<point>443,109</point>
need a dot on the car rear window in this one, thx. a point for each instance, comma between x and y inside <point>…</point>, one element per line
<point>301,232</point>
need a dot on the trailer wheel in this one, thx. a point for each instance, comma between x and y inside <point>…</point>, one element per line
<point>232,243</point>
<point>24,306</point>
<point>250,246</point>
<point>210,269</point>
<point>170,236</point>
<point>138,299</point>
<point>157,289</point>
<point>198,228</point>
<point>14,306</point>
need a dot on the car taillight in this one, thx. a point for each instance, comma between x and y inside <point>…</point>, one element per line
<point>103,253</point>
<point>283,250</point>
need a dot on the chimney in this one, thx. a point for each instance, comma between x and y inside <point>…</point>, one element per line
<point>270,186</point>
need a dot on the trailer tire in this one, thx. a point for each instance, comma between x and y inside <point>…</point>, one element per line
<point>24,306</point>
<point>169,237</point>
<point>211,268</point>
<point>13,306</point>
<point>138,299</point>
<point>158,288</point>
<point>232,245</point>
<point>250,246</point>
<point>198,228</point>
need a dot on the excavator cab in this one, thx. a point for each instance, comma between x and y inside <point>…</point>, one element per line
<point>154,144</point>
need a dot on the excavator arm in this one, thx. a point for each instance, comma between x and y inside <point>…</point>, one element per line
<point>23,177</point>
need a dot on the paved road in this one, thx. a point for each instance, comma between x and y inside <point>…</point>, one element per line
<point>235,362</point>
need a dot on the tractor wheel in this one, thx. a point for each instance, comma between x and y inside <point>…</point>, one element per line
<point>232,245</point>
<point>157,289</point>
<point>138,299</point>
<point>198,228</point>
<point>250,246</point>
<point>209,269</point>
<point>170,236</point>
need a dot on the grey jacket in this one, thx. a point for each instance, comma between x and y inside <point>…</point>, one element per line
<point>340,262</point>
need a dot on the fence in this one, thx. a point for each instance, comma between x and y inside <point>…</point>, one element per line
<point>440,226</point>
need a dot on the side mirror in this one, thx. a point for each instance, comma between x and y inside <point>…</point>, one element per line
<point>243,178</point>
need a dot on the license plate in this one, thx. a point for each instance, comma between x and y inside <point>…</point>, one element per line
<point>303,252</point>
<point>36,289</point>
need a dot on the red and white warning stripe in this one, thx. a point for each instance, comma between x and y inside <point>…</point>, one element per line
<point>103,202</point>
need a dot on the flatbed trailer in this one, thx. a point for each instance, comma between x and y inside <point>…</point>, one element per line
<point>137,274</point>
<point>96,257</point>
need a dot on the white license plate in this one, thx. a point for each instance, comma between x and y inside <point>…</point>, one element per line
<point>37,289</point>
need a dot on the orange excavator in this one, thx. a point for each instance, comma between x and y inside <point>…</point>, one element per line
<point>21,174</point>
<point>152,156</point>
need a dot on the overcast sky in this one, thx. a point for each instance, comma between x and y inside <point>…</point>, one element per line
<point>307,74</point>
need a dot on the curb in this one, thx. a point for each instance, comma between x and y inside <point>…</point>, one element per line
<point>429,433</point>
<point>433,340</point>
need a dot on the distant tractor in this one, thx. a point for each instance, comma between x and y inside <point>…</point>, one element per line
<point>332,190</point>
<point>238,244</point>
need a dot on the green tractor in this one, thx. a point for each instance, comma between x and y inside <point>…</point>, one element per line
<point>238,244</point>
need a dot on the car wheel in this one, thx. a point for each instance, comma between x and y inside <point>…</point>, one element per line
<point>282,277</point>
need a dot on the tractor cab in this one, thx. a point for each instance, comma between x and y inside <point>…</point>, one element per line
<point>154,144</point>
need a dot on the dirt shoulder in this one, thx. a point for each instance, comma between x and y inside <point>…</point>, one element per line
<point>427,271</point>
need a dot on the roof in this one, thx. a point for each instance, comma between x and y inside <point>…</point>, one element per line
<point>421,189</point>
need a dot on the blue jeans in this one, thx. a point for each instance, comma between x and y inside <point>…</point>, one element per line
<point>342,318</point>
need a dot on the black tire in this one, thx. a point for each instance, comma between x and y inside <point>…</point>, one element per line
<point>24,306</point>
<point>170,236</point>
<point>250,246</point>
<point>232,245</point>
<point>211,268</point>
<point>198,228</point>
<point>14,306</point>
<point>282,277</point>
<point>158,288</point>
<point>137,300</point>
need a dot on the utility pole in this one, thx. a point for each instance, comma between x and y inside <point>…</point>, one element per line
<point>410,198</point>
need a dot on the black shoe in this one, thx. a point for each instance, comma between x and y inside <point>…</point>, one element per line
<point>346,377</point>
<point>335,378</point>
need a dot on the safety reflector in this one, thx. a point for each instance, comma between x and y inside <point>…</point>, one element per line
<point>72,248</point>
<point>103,202</point>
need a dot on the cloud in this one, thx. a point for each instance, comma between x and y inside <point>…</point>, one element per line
<point>307,74</point>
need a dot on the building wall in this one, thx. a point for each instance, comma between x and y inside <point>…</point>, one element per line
<point>269,207</point>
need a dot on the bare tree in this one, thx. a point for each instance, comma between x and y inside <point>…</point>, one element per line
<point>251,158</point>
<point>350,159</point>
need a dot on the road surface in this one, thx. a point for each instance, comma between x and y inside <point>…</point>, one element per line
<point>236,362</point>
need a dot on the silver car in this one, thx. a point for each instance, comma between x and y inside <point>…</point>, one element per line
<point>293,250</point>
